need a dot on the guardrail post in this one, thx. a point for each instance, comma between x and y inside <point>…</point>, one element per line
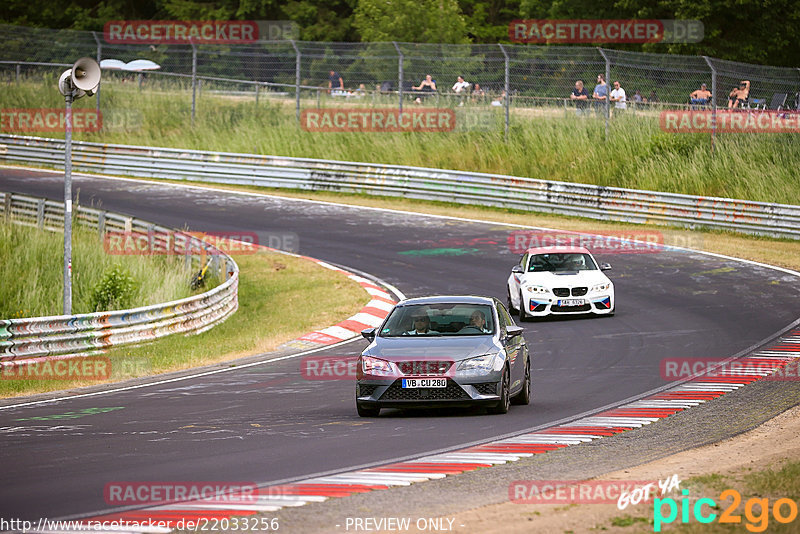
<point>99,58</point>
<point>297,60</point>
<point>40,214</point>
<point>713,103</point>
<point>101,224</point>
<point>608,91</point>
<point>507,102</point>
<point>400,59</point>
<point>194,79</point>
<point>7,206</point>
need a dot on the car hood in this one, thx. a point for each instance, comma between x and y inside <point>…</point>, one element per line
<point>565,279</point>
<point>451,348</point>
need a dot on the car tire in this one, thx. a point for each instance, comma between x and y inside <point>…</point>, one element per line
<point>522,315</point>
<point>509,304</point>
<point>365,410</point>
<point>503,404</point>
<point>524,396</point>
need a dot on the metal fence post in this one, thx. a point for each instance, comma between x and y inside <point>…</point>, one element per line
<point>608,92</point>
<point>507,102</point>
<point>99,58</point>
<point>194,79</point>
<point>7,206</point>
<point>297,81</point>
<point>713,103</point>
<point>399,75</point>
<point>17,69</point>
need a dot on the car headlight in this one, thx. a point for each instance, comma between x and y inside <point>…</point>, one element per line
<point>376,366</point>
<point>480,365</point>
<point>601,287</point>
<point>536,289</point>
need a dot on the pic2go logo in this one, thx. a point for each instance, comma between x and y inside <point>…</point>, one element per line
<point>756,511</point>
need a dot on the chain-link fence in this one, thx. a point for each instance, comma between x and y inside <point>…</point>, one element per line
<point>519,79</point>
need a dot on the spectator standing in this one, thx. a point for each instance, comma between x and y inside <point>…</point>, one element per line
<point>600,93</point>
<point>637,97</point>
<point>581,97</point>
<point>653,98</point>
<point>618,97</point>
<point>335,82</point>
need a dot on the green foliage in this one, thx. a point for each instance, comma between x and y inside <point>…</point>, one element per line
<point>114,291</point>
<point>412,21</point>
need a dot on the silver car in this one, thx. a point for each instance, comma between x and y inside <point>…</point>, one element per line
<point>444,351</point>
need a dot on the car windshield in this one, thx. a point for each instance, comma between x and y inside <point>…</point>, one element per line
<point>559,262</point>
<point>440,320</point>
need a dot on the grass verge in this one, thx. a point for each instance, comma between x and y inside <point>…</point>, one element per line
<point>548,144</point>
<point>280,298</point>
<point>33,260</point>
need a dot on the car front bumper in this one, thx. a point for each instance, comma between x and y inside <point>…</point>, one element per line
<point>389,393</point>
<point>595,304</point>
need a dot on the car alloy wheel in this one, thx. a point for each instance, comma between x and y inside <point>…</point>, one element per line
<point>523,316</point>
<point>503,404</point>
<point>524,396</point>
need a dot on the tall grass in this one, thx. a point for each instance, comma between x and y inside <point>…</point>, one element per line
<point>547,144</point>
<point>31,263</point>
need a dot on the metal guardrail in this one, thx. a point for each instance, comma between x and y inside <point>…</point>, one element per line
<point>605,203</point>
<point>90,333</point>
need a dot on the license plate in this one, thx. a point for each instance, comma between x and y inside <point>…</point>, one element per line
<point>413,383</point>
<point>572,302</point>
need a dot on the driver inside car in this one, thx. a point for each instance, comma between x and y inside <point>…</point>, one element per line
<point>477,321</point>
<point>421,326</point>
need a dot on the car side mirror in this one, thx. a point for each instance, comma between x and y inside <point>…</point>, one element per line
<point>368,334</point>
<point>605,266</point>
<point>512,331</point>
<point>517,269</point>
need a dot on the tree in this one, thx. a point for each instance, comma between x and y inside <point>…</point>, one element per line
<point>413,21</point>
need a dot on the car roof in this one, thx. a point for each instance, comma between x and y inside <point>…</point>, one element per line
<point>557,250</point>
<point>448,299</point>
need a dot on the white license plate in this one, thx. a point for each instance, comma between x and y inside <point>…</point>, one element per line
<point>572,302</point>
<point>412,383</point>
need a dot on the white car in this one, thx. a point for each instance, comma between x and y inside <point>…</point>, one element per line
<point>559,281</point>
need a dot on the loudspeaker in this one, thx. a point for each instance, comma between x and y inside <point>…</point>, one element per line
<point>82,79</point>
<point>86,75</point>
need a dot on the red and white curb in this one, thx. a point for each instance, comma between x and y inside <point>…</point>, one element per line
<point>370,316</point>
<point>693,392</point>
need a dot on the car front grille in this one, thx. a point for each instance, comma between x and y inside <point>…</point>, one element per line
<point>566,309</point>
<point>579,291</point>
<point>487,388</point>
<point>561,291</point>
<point>424,367</point>
<point>366,390</point>
<point>452,392</point>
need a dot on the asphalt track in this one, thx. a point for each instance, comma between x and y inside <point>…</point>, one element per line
<point>267,423</point>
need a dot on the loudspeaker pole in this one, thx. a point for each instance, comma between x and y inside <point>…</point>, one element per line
<point>68,204</point>
<point>82,79</point>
